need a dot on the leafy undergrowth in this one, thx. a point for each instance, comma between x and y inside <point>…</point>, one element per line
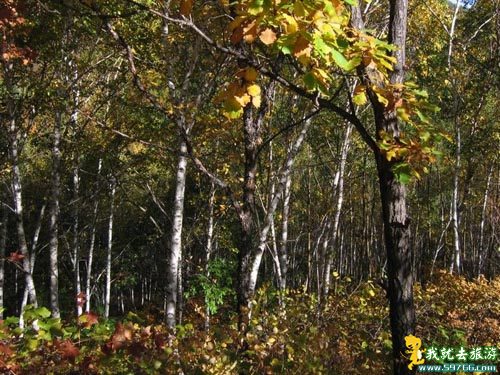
<point>350,337</point>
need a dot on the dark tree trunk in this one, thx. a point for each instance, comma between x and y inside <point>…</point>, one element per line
<point>396,221</point>
<point>400,279</point>
<point>394,207</point>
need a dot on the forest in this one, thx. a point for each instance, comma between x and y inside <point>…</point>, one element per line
<point>249,187</point>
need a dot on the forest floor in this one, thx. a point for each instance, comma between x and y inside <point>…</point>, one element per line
<point>350,337</point>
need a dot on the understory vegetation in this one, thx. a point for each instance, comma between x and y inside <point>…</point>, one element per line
<point>351,336</point>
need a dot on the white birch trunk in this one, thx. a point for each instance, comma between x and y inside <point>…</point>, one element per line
<point>88,281</point>
<point>455,220</point>
<point>456,261</point>
<point>76,240</point>
<point>34,244</point>
<point>338,210</point>
<point>482,248</point>
<point>208,253</point>
<point>18,211</point>
<point>54,218</point>
<point>283,177</point>
<point>107,296</point>
<point>176,238</point>
<point>283,251</point>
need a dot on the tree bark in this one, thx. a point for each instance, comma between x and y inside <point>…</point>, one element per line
<point>283,249</point>
<point>455,219</point>
<point>394,206</point>
<point>107,298</point>
<point>32,252</point>
<point>482,249</point>
<point>338,210</point>
<point>76,240</point>
<point>18,210</point>
<point>88,281</point>
<point>54,217</point>
<point>284,177</point>
<point>175,249</point>
<point>396,221</point>
<point>252,140</point>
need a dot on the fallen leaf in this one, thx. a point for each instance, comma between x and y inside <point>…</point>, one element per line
<point>268,36</point>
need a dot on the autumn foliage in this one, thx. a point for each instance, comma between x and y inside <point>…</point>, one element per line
<point>352,336</point>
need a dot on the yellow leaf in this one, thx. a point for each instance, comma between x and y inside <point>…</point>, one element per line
<point>291,25</point>
<point>299,9</point>
<point>268,36</point>
<point>256,101</point>
<point>250,75</point>
<point>253,90</point>
<point>390,154</point>
<point>243,100</point>
<point>382,99</point>
<point>359,99</point>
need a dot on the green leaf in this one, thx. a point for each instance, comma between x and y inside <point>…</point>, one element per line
<point>11,320</point>
<point>359,99</point>
<point>321,47</point>
<point>340,60</point>
<point>310,81</point>
<point>256,7</point>
<point>42,312</point>
<point>402,172</point>
<point>32,344</point>
<point>352,2</point>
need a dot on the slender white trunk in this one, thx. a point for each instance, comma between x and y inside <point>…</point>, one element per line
<point>482,249</point>
<point>455,219</point>
<point>88,281</point>
<point>283,177</point>
<point>54,218</point>
<point>338,210</point>
<point>18,211</point>
<point>34,244</point>
<point>176,238</point>
<point>107,297</point>
<point>456,262</point>
<point>76,240</point>
<point>208,253</point>
<point>274,245</point>
<point>283,251</point>
<point>76,189</point>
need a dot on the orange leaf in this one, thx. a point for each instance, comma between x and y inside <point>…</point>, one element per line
<point>80,299</point>
<point>302,47</point>
<point>250,32</point>
<point>67,349</point>
<point>121,336</point>
<point>267,37</point>
<point>237,35</point>
<point>186,7</point>
<point>88,319</point>
<point>250,74</point>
